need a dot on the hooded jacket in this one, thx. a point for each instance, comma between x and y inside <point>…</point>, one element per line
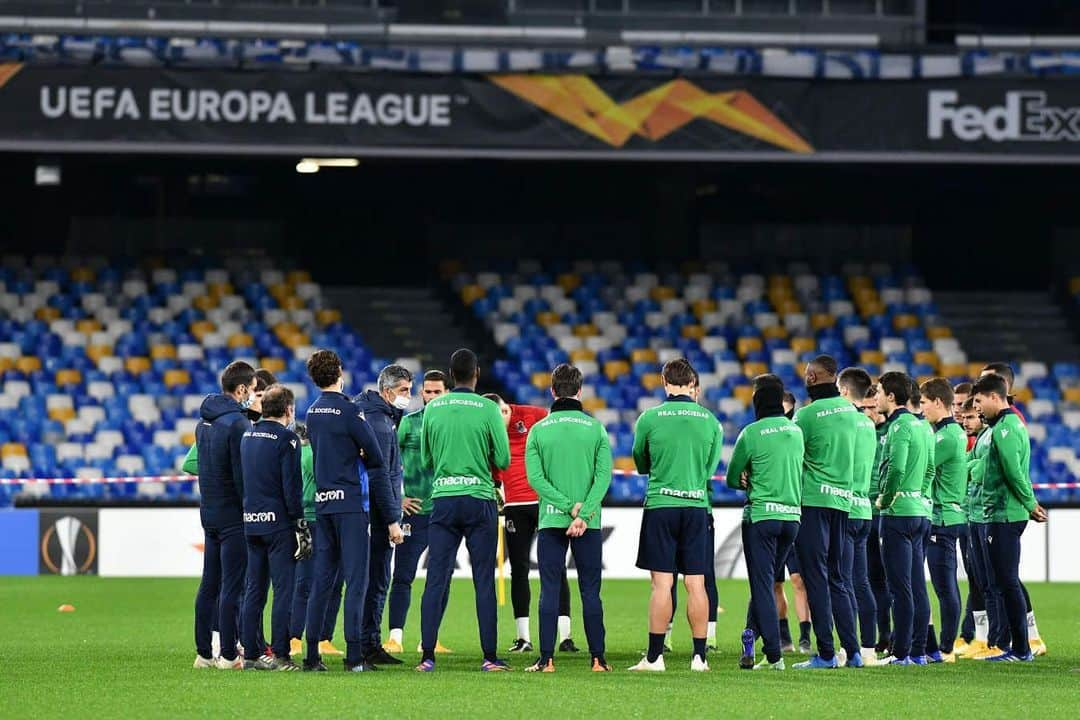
<point>384,419</point>
<point>221,480</point>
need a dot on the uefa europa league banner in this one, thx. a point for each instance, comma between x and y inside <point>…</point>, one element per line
<point>624,116</point>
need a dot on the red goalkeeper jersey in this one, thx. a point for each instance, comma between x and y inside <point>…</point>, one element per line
<point>516,489</point>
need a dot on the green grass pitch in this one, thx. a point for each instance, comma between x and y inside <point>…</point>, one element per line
<point>127,652</point>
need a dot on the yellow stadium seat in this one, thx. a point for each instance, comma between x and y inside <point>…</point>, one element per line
<point>239,340</point>
<point>162,352</point>
<point>13,449</point>
<point>953,370</point>
<point>586,330</point>
<point>614,368</point>
<point>1024,395</point>
<point>1074,285</point>
<point>927,357</point>
<point>187,439</point>
<point>68,377</point>
<point>296,340</point>
<point>702,307</point>
<point>871,309</point>
<point>1072,395</point>
<point>651,381</point>
<point>860,282</point>
<point>292,303</point>
<point>923,378</point>
<point>82,275</point>
<point>803,344</point>
<point>280,291</point>
<point>695,332</point>
<point>88,325</point>
<point>47,314</point>
<point>199,328</point>
<point>905,321</point>
<point>583,355</point>
<point>273,364</point>
<point>326,317</point>
<point>62,414</point>
<point>593,404</point>
<point>96,352</point>
<point>790,307</point>
<point>177,377</point>
<point>136,365</point>
<point>298,276</point>
<point>28,364</point>
<point>569,282</point>
<point>745,345</point>
<point>753,369</point>
<point>743,393</point>
<point>822,320</point>
<point>471,293</point>
<point>662,292</point>
<point>646,355</point>
<point>778,296</point>
<point>6,364</point>
<point>872,357</point>
<point>938,331</point>
<point>625,464</point>
<point>541,380</point>
<point>220,288</point>
<point>774,332</point>
<point>205,302</point>
<point>547,319</point>
<point>783,281</point>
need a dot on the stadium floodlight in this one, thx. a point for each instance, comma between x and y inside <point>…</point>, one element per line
<point>312,165</point>
<point>47,175</point>
<point>306,167</point>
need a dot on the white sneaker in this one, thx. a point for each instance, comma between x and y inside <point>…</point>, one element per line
<point>215,644</point>
<point>202,663</point>
<point>841,657</point>
<point>869,657</point>
<point>236,663</point>
<point>698,664</point>
<point>766,665</point>
<point>646,666</point>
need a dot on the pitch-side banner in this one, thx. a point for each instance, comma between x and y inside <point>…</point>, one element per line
<point>627,116</point>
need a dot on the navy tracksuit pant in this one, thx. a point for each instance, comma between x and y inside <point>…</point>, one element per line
<point>1003,549</point>
<point>224,565</point>
<point>903,540</point>
<point>406,561</point>
<point>875,571</point>
<point>857,580</point>
<point>305,578</point>
<point>820,546</point>
<point>476,521</point>
<point>997,629</point>
<point>974,594</point>
<point>941,559</point>
<point>587,551</point>
<point>766,545</point>
<point>270,560</point>
<point>378,585</point>
<point>341,546</point>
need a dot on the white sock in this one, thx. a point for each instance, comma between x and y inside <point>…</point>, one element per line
<point>982,625</point>
<point>522,628</point>
<point>215,644</point>
<point>564,627</point>
<point>396,635</point>
<point>1033,628</point>
<point>711,632</point>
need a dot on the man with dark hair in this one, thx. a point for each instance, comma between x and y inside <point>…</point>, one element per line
<point>277,533</point>
<point>830,431</point>
<point>854,383</point>
<point>905,459</point>
<point>221,507</point>
<point>1004,370</point>
<point>798,589</point>
<point>521,510</point>
<point>948,494</point>
<point>677,444</point>
<point>1010,502</point>
<point>568,461</point>
<point>961,392</point>
<point>975,639</point>
<point>349,469</point>
<point>767,463</point>
<point>875,566</point>
<point>462,437</point>
<point>416,505</point>
<point>382,409</point>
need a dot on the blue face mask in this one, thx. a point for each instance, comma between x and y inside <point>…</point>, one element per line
<point>247,403</point>
<point>291,426</point>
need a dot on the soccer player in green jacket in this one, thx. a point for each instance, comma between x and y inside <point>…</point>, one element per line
<point>462,437</point>
<point>903,516</point>
<point>874,563</point>
<point>1009,501</point>
<point>767,462</point>
<point>568,463</point>
<point>948,494</point>
<point>830,428</point>
<point>677,444</point>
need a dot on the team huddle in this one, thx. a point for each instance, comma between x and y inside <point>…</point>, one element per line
<point>853,494</point>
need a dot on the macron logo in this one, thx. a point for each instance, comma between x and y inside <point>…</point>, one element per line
<point>328,495</point>
<point>260,517</point>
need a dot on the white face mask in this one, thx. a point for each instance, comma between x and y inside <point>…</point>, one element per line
<point>401,402</point>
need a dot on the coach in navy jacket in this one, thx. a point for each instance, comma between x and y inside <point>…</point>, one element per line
<point>221,491</point>
<point>383,409</point>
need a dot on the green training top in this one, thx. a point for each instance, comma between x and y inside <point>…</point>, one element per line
<point>903,466</point>
<point>928,478</point>
<point>1007,493</point>
<point>881,431</point>
<point>307,472</point>
<point>677,444</point>
<point>976,466</point>
<point>772,450</point>
<point>462,436</point>
<point>417,477</point>
<point>828,427</point>
<point>568,461</point>
<point>191,460</point>
<point>950,479</point>
<point>866,447</point>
